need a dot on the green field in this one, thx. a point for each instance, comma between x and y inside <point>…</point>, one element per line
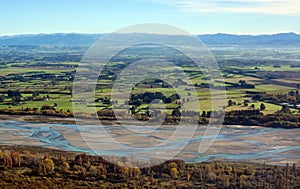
<point>54,84</point>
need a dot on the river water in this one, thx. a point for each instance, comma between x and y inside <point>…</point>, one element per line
<point>235,143</point>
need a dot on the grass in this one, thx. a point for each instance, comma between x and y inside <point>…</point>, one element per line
<point>270,108</point>
<point>20,70</point>
<point>270,88</point>
<point>281,68</point>
<point>63,102</point>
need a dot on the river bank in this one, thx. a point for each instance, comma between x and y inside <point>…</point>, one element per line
<point>236,143</point>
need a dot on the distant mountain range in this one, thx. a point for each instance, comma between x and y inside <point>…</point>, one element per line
<point>275,39</point>
<point>68,39</point>
<point>73,39</point>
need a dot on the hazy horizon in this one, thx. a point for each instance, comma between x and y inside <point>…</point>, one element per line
<point>216,33</point>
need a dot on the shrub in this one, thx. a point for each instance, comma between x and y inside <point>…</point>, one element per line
<point>1,154</point>
<point>47,107</point>
<point>136,172</point>
<point>7,161</point>
<point>93,171</point>
<point>46,166</point>
<point>66,167</point>
<point>174,172</point>
<point>16,158</point>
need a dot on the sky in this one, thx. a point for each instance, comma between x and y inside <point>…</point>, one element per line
<point>105,16</point>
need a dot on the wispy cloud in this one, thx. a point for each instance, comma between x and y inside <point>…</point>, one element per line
<point>281,7</point>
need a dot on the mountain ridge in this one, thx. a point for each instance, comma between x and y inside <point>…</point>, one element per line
<point>79,39</point>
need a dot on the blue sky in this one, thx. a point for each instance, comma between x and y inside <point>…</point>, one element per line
<point>194,16</point>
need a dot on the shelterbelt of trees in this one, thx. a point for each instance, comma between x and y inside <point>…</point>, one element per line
<point>281,119</point>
